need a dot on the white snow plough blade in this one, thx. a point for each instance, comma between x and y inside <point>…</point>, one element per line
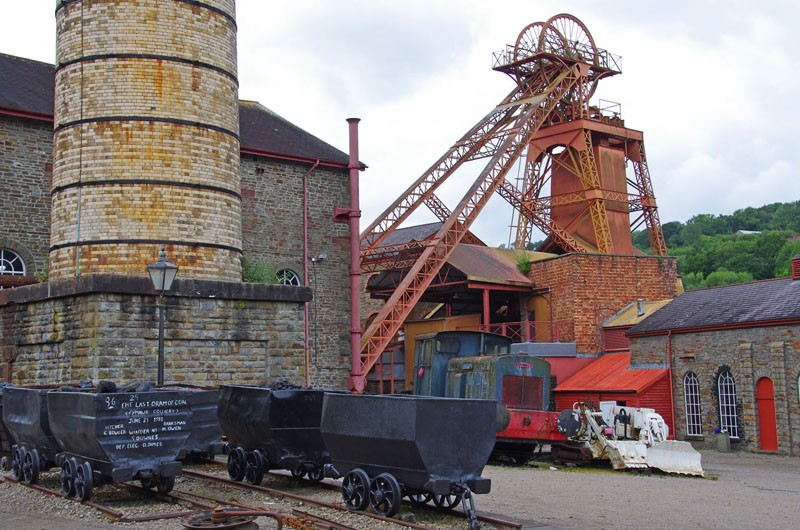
<point>672,456</point>
<point>625,454</point>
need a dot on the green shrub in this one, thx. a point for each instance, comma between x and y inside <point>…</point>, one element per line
<point>523,261</point>
<point>257,272</point>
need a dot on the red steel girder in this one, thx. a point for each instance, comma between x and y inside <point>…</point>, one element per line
<point>648,201</point>
<point>532,114</point>
<point>423,189</point>
<point>539,218</point>
<point>399,256</point>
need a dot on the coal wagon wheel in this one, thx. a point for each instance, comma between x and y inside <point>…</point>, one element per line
<point>165,484</point>
<point>16,462</point>
<point>446,502</point>
<point>385,495</point>
<point>355,489</point>
<point>68,471</point>
<point>316,474</point>
<point>237,464</point>
<point>255,467</point>
<point>148,483</point>
<point>83,481</point>
<point>30,466</point>
<point>299,472</point>
<point>420,499</point>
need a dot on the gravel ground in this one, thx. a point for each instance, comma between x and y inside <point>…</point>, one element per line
<point>741,490</point>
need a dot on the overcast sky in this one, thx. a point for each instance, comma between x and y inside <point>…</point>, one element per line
<point>712,84</point>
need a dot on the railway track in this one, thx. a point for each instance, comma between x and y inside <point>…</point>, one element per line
<point>278,504</point>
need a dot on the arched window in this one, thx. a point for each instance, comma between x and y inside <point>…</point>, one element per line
<point>726,390</point>
<point>691,398</point>
<point>287,277</point>
<point>11,263</point>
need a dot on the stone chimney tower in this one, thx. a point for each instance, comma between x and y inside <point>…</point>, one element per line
<point>146,146</point>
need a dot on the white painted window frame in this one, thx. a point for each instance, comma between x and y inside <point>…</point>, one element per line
<point>288,277</point>
<point>691,400</point>
<point>11,263</point>
<point>726,392</point>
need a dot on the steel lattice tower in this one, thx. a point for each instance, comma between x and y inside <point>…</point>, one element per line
<point>570,145</point>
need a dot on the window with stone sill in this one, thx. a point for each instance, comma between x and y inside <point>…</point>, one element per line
<point>691,398</point>
<point>11,263</point>
<point>287,277</point>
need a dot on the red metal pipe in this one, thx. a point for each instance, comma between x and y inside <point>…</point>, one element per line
<point>486,317</point>
<point>669,374</point>
<point>278,156</point>
<point>26,114</point>
<point>358,379</point>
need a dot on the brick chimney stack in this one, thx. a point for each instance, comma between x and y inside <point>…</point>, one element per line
<point>146,146</point>
<point>796,267</point>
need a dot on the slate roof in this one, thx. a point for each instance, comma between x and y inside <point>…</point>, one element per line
<point>29,86</point>
<point>412,233</point>
<point>262,129</point>
<point>26,85</point>
<point>611,372</point>
<point>740,305</point>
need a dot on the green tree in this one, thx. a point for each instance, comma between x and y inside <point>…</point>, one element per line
<point>767,248</point>
<point>735,254</point>
<point>783,260</point>
<point>702,255</point>
<point>693,280</point>
<point>723,276</point>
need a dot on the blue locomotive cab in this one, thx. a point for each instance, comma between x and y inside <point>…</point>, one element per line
<point>516,381</point>
<point>435,350</point>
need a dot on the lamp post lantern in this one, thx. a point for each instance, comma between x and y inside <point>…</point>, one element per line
<point>162,273</point>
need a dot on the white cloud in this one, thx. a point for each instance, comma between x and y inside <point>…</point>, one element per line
<point>712,86</point>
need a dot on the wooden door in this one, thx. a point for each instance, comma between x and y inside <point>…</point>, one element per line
<point>765,398</point>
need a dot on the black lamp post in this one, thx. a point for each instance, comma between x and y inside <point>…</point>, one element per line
<point>162,273</point>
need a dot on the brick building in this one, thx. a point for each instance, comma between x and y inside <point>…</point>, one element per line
<point>290,182</point>
<point>734,353</point>
<point>581,291</point>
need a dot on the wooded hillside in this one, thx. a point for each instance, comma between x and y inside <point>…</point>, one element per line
<point>750,244</point>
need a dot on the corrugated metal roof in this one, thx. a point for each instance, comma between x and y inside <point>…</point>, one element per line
<point>611,373</point>
<point>628,315</point>
<point>730,305</point>
<point>487,265</point>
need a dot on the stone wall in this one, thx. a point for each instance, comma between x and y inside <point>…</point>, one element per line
<point>26,171</point>
<point>272,229</point>
<point>106,327</point>
<point>750,353</point>
<point>586,289</point>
